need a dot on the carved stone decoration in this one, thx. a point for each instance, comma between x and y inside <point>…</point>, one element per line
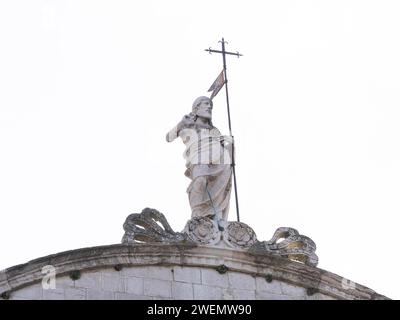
<point>202,231</point>
<point>294,246</point>
<point>239,235</point>
<point>149,226</point>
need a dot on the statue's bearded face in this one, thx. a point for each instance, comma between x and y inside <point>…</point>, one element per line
<point>204,109</point>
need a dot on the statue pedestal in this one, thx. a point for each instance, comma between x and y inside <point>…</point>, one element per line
<point>151,226</point>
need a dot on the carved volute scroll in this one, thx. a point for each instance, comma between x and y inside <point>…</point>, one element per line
<point>151,226</point>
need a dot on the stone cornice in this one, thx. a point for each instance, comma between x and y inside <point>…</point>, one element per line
<point>189,255</point>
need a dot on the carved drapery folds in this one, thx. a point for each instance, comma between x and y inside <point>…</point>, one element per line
<point>150,226</point>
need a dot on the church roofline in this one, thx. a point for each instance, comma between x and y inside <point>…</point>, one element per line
<point>158,254</point>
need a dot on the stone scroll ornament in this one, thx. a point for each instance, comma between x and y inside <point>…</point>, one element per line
<point>239,235</point>
<point>203,231</point>
<point>151,226</point>
<point>288,243</point>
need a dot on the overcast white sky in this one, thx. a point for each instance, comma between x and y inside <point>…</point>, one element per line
<point>88,90</point>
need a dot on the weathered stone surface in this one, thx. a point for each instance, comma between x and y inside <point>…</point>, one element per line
<point>263,295</point>
<point>191,275</point>
<point>75,293</point>
<point>239,235</point>
<point>64,282</point>
<point>203,231</point>
<point>149,226</point>
<point>202,292</point>
<point>153,272</point>
<point>88,280</point>
<point>182,291</point>
<point>149,263</point>
<point>272,287</point>
<point>238,294</point>
<point>134,285</point>
<point>227,294</point>
<point>18,298</point>
<point>157,288</point>
<point>319,296</point>
<point>289,243</point>
<point>113,283</point>
<point>293,291</point>
<point>244,294</point>
<point>4,285</point>
<point>97,294</point>
<point>54,294</point>
<point>34,292</point>
<point>241,281</point>
<point>129,296</point>
<point>213,278</point>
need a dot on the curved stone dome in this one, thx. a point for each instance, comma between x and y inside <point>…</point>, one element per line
<point>154,262</point>
<point>148,271</point>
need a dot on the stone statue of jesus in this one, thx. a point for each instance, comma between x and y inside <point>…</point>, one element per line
<point>208,162</point>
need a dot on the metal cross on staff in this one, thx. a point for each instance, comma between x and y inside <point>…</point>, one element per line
<point>216,86</point>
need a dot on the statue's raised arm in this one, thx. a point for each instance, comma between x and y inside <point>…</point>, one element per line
<point>186,122</point>
<point>173,133</point>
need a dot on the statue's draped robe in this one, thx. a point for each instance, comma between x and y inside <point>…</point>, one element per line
<point>208,163</point>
